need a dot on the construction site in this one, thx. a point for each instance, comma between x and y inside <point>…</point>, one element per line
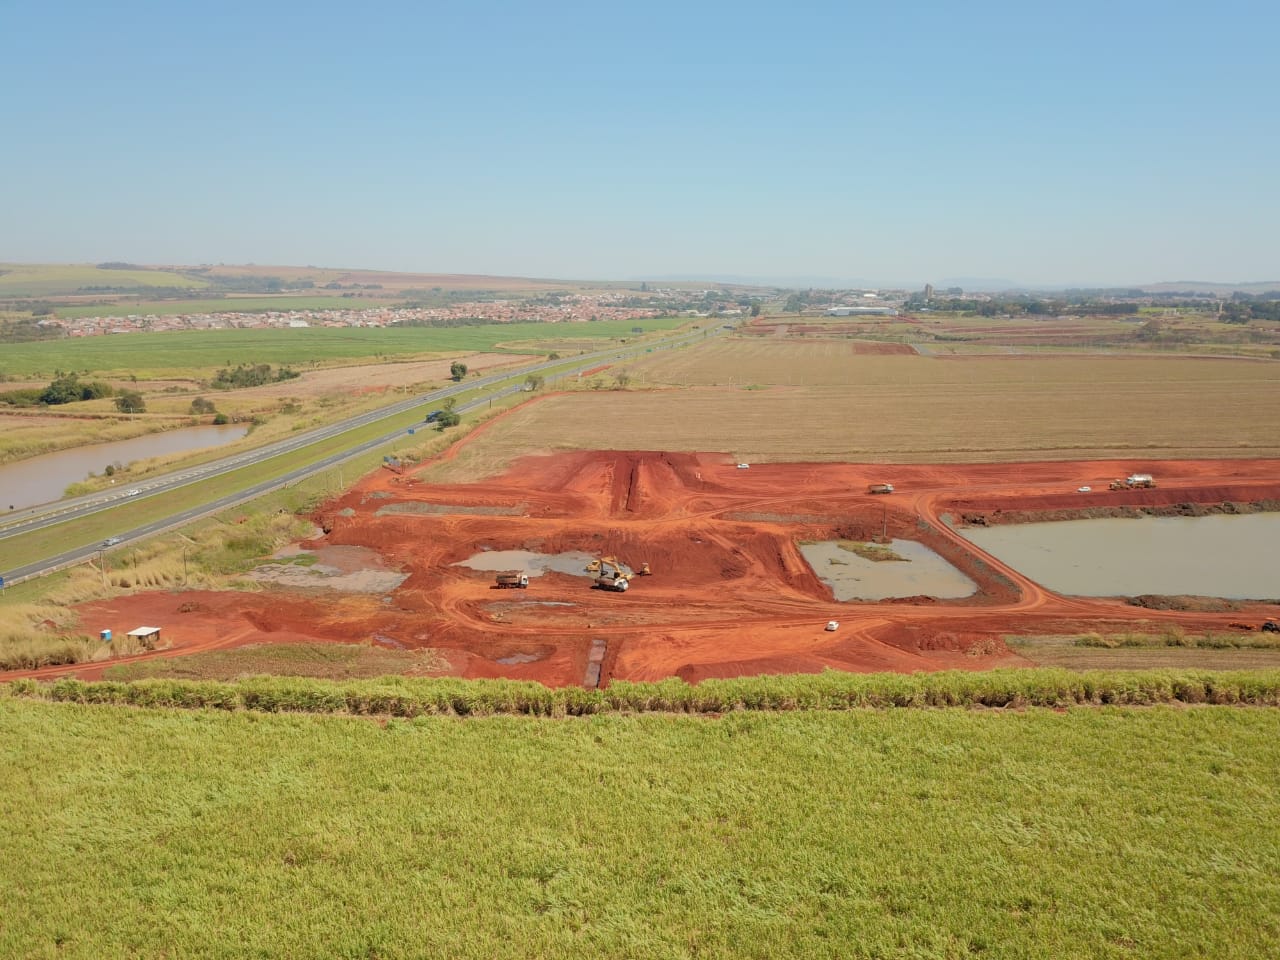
<point>581,568</point>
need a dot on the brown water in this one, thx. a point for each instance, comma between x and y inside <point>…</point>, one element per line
<point>1232,556</point>
<point>42,479</point>
<point>534,564</point>
<point>920,572</point>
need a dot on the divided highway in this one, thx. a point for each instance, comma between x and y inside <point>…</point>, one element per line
<point>38,518</point>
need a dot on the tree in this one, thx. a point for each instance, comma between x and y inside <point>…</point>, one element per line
<point>553,356</point>
<point>622,380</point>
<point>131,402</point>
<point>755,309</point>
<point>457,370</point>
<point>65,388</point>
<point>533,382</point>
<point>448,418</point>
<point>201,405</point>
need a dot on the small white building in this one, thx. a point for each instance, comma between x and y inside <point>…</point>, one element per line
<point>147,637</point>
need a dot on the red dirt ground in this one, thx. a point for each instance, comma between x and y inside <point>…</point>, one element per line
<point>731,593</point>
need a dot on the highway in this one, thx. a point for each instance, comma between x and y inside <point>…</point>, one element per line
<point>38,518</point>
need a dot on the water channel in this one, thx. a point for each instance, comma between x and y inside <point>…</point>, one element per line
<point>42,479</point>
<point>1234,556</point>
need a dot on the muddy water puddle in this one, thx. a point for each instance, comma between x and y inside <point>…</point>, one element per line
<point>920,572</point>
<point>573,562</point>
<point>346,568</point>
<point>1236,557</point>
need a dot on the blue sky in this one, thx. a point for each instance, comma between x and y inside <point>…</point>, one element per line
<point>1108,143</point>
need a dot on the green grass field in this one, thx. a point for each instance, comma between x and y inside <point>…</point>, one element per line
<point>181,353</point>
<point>48,280</point>
<point>916,833</point>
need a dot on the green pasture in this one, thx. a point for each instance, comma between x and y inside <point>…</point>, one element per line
<point>955,833</point>
<point>51,280</point>
<point>178,353</point>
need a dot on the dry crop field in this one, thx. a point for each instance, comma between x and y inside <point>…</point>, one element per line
<point>903,409</point>
<point>837,362</point>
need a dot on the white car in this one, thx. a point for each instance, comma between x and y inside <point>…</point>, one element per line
<point>744,466</point>
<point>832,626</point>
<point>1083,489</point>
<point>134,492</point>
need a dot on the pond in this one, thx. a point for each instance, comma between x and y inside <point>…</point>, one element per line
<point>920,572</point>
<point>534,564</point>
<point>1236,557</point>
<point>42,479</point>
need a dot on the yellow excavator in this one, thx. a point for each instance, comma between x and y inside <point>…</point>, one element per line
<point>612,575</point>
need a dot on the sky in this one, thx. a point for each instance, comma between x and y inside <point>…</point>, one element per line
<point>1087,143</point>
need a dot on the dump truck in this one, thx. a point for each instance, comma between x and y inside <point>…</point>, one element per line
<point>512,580</point>
<point>1135,481</point>
<point>880,488</point>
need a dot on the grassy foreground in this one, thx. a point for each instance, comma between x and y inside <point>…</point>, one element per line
<point>1110,832</point>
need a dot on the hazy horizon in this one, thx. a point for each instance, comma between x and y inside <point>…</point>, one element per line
<point>1086,146</point>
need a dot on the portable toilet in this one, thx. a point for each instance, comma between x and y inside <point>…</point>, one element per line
<point>106,636</point>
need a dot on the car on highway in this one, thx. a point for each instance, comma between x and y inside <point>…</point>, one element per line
<point>134,492</point>
<point>110,541</point>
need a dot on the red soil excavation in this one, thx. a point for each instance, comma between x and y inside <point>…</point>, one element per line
<point>730,593</point>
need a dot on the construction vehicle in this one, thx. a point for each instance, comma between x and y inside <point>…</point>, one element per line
<point>512,580</point>
<point>1135,481</point>
<point>612,574</point>
<point>1271,627</point>
<point>880,488</point>
<point>644,570</point>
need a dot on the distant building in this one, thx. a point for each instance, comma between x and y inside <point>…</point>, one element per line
<point>928,291</point>
<point>860,311</point>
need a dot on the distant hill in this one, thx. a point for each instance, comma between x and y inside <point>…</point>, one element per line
<point>68,279</point>
<point>1202,286</point>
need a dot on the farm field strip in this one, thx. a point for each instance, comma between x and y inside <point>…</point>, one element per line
<point>916,423</point>
<point>187,353</point>
<point>747,836</point>
<point>837,363</point>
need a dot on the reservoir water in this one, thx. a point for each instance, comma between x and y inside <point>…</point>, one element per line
<point>42,479</point>
<point>1234,556</point>
<point>920,572</point>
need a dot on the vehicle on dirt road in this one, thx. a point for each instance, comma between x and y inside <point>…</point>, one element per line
<point>1135,481</point>
<point>512,580</point>
<point>880,488</point>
